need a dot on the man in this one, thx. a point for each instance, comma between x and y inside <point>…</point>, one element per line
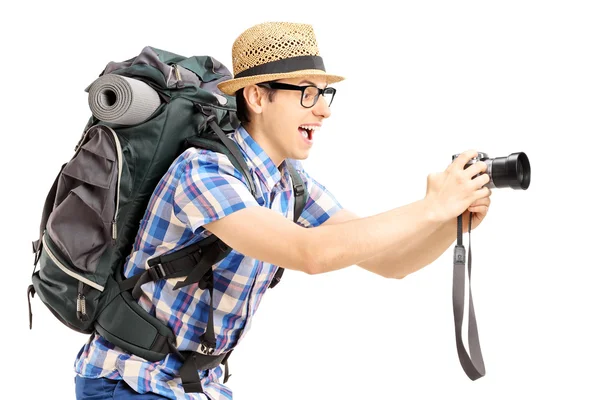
<point>283,96</point>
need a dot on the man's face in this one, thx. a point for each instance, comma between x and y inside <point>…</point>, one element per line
<point>291,128</point>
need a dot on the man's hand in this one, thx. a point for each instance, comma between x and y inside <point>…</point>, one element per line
<point>451,192</point>
<point>479,209</point>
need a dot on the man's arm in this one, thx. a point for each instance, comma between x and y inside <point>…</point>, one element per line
<point>263,234</point>
<point>409,256</point>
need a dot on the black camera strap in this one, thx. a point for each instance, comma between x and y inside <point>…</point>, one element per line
<point>473,365</point>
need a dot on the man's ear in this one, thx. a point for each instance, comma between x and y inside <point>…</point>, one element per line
<point>255,98</point>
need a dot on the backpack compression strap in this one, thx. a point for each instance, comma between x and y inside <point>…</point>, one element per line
<point>48,206</point>
<point>37,244</point>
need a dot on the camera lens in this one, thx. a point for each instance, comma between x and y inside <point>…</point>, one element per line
<point>513,171</point>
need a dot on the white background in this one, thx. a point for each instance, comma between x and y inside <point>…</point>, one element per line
<point>425,80</point>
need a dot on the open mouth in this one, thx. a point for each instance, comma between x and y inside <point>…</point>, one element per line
<point>307,131</point>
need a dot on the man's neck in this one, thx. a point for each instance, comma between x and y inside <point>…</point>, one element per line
<point>262,140</point>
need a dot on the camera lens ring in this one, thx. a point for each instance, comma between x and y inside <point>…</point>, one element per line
<point>519,169</point>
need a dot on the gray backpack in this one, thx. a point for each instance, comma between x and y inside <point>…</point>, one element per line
<point>145,112</point>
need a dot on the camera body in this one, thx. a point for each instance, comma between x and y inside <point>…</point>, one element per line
<point>513,171</point>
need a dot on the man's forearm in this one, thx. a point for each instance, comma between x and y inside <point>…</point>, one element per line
<point>331,247</point>
<point>412,255</point>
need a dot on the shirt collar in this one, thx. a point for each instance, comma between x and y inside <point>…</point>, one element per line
<point>266,170</point>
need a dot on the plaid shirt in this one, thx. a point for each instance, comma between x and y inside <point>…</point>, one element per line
<point>202,186</point>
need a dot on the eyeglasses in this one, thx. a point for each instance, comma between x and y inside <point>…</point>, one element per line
<point>310,94</point>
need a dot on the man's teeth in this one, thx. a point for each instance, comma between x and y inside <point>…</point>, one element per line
<point>306,128</point>
<point>312,127</point>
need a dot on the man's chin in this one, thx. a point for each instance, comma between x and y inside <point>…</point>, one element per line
<point>301,155</point>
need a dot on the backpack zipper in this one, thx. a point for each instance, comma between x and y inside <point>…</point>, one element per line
<point>67,270</point>
<point>80,300</point>
<point>113,224</point>
<point>81,311</point>
<point>177,74</point>
<point>118,195</point>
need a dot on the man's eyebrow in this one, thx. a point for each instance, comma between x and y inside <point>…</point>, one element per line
<point>309,82</point>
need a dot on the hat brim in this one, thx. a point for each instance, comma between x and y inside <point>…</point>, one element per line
<point>233,85</point>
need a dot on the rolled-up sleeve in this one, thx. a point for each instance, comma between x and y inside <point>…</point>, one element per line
<point>320,205</point>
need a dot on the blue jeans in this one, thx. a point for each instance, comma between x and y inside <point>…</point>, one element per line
<point>105,389</point>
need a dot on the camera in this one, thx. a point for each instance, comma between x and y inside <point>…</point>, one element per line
<point>513,171</point>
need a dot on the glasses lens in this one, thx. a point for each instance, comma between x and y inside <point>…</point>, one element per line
<point>329,93</point>
<point>309,98</point>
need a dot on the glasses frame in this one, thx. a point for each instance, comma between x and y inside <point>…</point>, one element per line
<point>286,86</point>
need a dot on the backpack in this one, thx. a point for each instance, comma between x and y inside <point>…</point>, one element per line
<point>145,112</point>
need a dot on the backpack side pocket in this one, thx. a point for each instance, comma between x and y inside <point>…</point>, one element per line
<point>83,222</point>
<point>77,242</point>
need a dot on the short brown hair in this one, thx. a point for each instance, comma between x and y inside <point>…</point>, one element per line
<point>242,107</point>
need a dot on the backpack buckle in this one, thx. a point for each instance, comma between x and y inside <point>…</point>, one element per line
<point>157,272</point>
<point>206,350</point>
<point>37,251</point>
<point>274,282</point>
<point>299,189</point>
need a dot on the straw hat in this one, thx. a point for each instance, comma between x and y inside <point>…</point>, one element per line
<point>275,50</point>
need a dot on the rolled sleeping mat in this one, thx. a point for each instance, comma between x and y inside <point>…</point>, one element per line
<point>122,100</point>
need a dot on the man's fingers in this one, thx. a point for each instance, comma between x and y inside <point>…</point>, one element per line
<point>463,158</point>
<point>476,168</point>
<point>479,209</point>
<point>481,180</point>
<point>482,193</point>
<point>481,202</point>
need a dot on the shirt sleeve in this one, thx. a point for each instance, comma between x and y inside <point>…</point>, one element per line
<point>320,205</point>
<point>209,188</point>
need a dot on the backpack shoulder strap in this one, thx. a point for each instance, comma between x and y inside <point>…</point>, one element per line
<point>300,194</point>
<point>227,147</point>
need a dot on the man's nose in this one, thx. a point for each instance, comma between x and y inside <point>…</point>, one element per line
<point>322,108</point>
